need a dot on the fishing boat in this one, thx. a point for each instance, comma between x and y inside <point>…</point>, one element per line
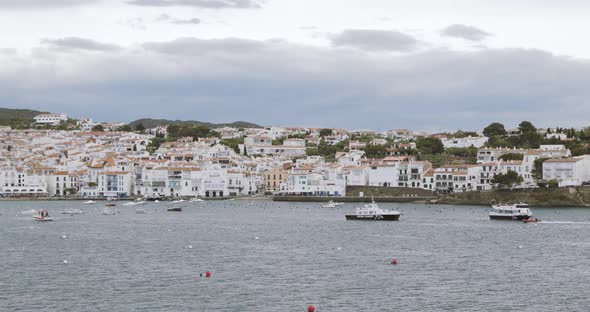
<point>332,204</point>
<point>520,211</point>
<point>89,202</point>
<point>72,211</point>
<point>175,209</point>
<point>372,212</point>
<point>140,211</point>
<point>110,205</point>
<point>42,215</point>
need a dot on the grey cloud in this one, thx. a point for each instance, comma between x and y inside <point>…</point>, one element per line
<point>178,21</point>
<point>211,4</point>
<point>465,32</point>
<point>378,40</point>
<point>42,4</point>
<point>76,43</point>
<point>276,82</point>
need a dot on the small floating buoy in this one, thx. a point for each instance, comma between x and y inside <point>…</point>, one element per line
<point>64,237</point>
<point>190,246</point>
<point>65,261</point>
<point>310,308</point>
<point>256,237</point>
<point>207,274</point>
<point>519,247</point>
<point>339,248</point>
<point>394,261</point>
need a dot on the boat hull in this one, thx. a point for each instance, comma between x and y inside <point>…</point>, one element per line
<point>175,209</point>
<point>391,217</point>
<point>509,218</point>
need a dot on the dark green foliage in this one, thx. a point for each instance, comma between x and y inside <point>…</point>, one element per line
<point>507,180</point>
<point>468,152</point>
<point>494,129</point>
<point>537,171</point>
<point>325,132</point>
<point>375,151</point>
<point>98,128</point>
<point>327,151</point>
<point>152,123</point>
<point>155,144</point>
<point>430,145</point>
<point>125,128</point>
<point>140,127</point>
<point>464,134</point>
<point>18,118</point>
<point>177,131</point>
<point>233,143</point>
<point>511,156</point>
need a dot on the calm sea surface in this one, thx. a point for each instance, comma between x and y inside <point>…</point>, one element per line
<point>267,256</point>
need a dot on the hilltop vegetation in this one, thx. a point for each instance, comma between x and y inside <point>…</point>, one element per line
<point>17,118</point>
<point>151,123</point>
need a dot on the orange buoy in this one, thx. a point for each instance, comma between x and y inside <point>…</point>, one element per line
<point>311,308</point>
<point>208,274</point>
<point>394,261</point>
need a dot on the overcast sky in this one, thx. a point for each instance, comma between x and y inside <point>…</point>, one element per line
<point>372,64</point>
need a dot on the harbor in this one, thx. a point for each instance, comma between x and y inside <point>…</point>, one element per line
<point>285,255</point>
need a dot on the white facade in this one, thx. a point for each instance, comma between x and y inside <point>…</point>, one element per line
<point>50,119</point>
<point>465,142</point>
<point>568,172</point>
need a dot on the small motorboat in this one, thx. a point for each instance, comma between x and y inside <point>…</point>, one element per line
<point>140,211</point>
<point>196,200</point>
<point>42,215</point>
<point>110,205</point>
<point>108,212</point>
<point>177,209</point>
<point>89,202</point>
<point>178,201</point>
<point>331,204</point>
<point>531,220</point>
<point>72,211</point>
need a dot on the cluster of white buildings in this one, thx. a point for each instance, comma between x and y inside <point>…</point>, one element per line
<point>117,164</point>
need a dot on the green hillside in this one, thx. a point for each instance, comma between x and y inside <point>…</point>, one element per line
<point>17,118</point>
<point>151,123</point>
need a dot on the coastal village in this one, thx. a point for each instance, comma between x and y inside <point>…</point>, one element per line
<point>110,160</point>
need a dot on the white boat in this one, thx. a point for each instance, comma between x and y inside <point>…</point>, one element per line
<point>520,211</point>
<point>42,215</point>
<point>196,200</point>
<point>178,201</point>
<point>332,204</point>
<point>107,212</point>
<point>374,213</point>
<point>140,211</point>
<point>137,203</point>
<point>89,202</point>
<point>72,211</point>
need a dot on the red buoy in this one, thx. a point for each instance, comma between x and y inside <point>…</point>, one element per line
<point>394,261</point>
<point>311,308</point>
<point>208,274</point>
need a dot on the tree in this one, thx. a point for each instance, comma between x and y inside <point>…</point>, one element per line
<point>125,128</point>
<point>135,147</point>
<point>507,180</point>
<point>494,129</point>
<point>325,132</point>
<point>527,127</point>
<point>375,151</point>
<point>9,148</point>
<point>537,171</point>
<point>98,128</point>
<point>92,184</point>
<point>140,127</point>
<point>430,145</point>
<point>511,156</point>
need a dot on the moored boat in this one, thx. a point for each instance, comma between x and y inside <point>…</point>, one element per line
<point>531,220</point>
<point>332,204</point>
<point>140,211</point>
<point>520,211</point>
<point>372,212</point>
<point>175,209</point>
<point>72,211</point>
<point>110,205</point>
<point>89,202</point>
